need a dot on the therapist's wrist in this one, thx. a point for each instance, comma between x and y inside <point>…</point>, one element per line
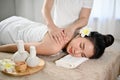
<point>74,27</point>
<point>51,26</point>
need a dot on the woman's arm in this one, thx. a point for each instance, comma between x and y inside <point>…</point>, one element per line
<point>8,48</point>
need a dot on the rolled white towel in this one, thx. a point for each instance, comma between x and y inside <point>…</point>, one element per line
<point>70,61</point>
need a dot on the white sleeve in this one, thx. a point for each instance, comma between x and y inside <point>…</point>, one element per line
<point>87,3</point>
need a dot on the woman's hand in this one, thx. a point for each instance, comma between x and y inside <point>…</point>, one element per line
<point>57,34</point>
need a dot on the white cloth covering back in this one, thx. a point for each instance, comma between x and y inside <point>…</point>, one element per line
<point>67,11</point>
<point>18,28</point>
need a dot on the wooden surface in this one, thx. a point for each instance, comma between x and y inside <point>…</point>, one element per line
<point>29,70</point>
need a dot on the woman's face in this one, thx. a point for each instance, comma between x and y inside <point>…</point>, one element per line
<point>80,47</point>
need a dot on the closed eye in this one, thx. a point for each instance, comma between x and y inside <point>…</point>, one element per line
<point>82,46</point>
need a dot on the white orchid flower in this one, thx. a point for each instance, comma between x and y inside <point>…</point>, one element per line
<point>7,65</point>
<point>85,31</point>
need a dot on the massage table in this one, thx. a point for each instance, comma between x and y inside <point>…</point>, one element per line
<point>105,68</point>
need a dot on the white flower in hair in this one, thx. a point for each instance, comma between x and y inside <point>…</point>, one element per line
<point>85,31</point>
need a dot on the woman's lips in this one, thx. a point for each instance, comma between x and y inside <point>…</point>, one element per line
<point>70,50</point>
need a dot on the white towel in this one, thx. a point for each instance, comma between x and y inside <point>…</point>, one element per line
<point>19,28</point>
<point>70,61</point>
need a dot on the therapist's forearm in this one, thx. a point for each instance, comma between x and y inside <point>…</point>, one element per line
<point>46,11</point>
<point>79,23</point>
<point>48,18</point>
<point>83,19</point>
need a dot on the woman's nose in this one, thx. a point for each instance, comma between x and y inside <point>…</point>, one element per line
<point>78,51</point>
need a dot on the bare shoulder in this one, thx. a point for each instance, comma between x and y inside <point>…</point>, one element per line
<point>50,41</point>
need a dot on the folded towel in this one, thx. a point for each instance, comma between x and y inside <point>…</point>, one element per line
<point>70,61</point>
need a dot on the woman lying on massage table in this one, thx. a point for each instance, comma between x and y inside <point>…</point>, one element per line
<point>32,33</point>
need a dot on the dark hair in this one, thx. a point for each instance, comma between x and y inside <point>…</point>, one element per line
<point>100,42</point>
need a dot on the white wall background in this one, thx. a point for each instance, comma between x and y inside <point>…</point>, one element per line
<point>7,9</point>
<point>30,9</point>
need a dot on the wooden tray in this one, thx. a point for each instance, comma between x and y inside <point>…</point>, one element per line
<point>29,70</point>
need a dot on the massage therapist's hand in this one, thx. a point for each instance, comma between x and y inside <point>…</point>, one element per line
<point>57,34</point>
<point>69,33</point>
